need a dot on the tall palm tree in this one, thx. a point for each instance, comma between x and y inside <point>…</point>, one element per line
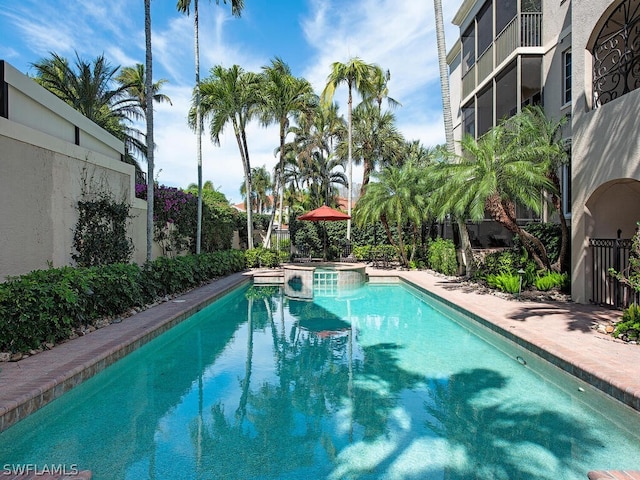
<point>231,96</point>
<point>316,137</point>
<point>184,6</point>
<point>283,96</point>
<point>148,110</point>
<point>375,140</point>
<point>448,126</point>
<point>380,83</point>
<point>493,175</point>
<point>357,75</point>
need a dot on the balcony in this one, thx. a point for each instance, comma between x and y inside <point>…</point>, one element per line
<point>523,31</point>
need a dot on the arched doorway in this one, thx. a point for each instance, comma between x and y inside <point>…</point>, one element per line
<point>614,211</point>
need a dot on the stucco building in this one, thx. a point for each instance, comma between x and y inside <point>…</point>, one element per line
<point>579,59</point>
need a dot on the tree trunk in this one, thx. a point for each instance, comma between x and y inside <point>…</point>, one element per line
<point>198,125</point>
<point>468,260</point>
<point>148,86</point>
<point>562,262</point>
<point>276,190</point>
<point>505,216</point>
<point>350,161</point>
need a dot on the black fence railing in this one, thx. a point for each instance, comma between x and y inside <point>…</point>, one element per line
<point>606,254</point>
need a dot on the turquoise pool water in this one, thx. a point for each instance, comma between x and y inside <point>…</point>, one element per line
<point>376,383</point>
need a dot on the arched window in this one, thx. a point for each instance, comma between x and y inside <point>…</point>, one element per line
<point>616,54</point>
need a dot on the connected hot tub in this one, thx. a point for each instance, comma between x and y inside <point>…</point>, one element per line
<point>322,279</point>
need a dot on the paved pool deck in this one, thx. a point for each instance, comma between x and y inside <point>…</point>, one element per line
<point>560,332</point>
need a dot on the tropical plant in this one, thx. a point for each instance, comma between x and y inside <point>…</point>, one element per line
<point>395,198</point>
<point>551,280</point>
<point>492,176</point>
<point>283,96</point>
<point>134,79</point>
<point>184,6</point>
<point>231,96</point>
<point>357,75</point>
<point>376,140</point>
<point>314,165</point>
<point>261,182</point>
<point>441,256</point>
<point>629,327</point>
<point>542,138</point>
<point>90,87</point>
<point>505,282</point>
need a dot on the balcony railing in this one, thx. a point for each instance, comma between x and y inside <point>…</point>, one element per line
<point>525,31</point>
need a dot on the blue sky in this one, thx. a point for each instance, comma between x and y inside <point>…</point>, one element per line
<point>307,34</point>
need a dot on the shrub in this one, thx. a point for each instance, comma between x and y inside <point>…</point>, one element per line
<point>263,257</point>
<point>505,282</point>
<point>100,235</point>
<point>551,280</point>
<point>629,327</point>
<point>441,256</point>
<point>46,305</point>
<point>362,252</point>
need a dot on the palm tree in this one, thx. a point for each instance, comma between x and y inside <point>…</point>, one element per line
<point>315,139</point>
<point>134,79</point>
<point>184,6</point>
<point>375,140</point>
<point>357,75</point>
<point>448,125</point>
<point>380,83</point>
<point>542,139</point>
<point>493,175</point>
<point>394,198</point>
<point>261,183</point>
<point>91,89</point>
<point>283,95</point>
<point>231,96</point>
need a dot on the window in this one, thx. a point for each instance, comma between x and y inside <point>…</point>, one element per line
<point>566,77</point>
<point>485,111</point>
<point>469,120</point>
<point>485,27</point>
<point>468,48</point>
<point>616,55</point>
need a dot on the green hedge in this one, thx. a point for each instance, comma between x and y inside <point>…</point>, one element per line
<point>44,306</point>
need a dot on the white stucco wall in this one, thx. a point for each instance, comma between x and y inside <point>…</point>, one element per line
<point>43,174</point>
<point>605,154</point>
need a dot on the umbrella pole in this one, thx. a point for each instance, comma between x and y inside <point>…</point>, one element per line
<point>324,228</point>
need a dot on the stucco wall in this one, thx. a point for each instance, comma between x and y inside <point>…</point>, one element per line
<point>43,174</point>
<point>605,154</point>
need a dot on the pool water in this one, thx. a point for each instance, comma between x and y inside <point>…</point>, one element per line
<point>378,382</point>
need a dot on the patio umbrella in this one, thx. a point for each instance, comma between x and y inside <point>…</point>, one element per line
<point>324,214</point>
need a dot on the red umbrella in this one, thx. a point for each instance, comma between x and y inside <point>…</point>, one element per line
<point>323,214</point>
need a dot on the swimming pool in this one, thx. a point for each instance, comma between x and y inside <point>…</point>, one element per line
<point>379,382</point>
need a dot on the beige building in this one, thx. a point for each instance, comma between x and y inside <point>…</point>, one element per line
<point>577,59</point>
<point>51,156</point>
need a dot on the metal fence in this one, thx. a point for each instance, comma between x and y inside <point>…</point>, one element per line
<point>606,254</point>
